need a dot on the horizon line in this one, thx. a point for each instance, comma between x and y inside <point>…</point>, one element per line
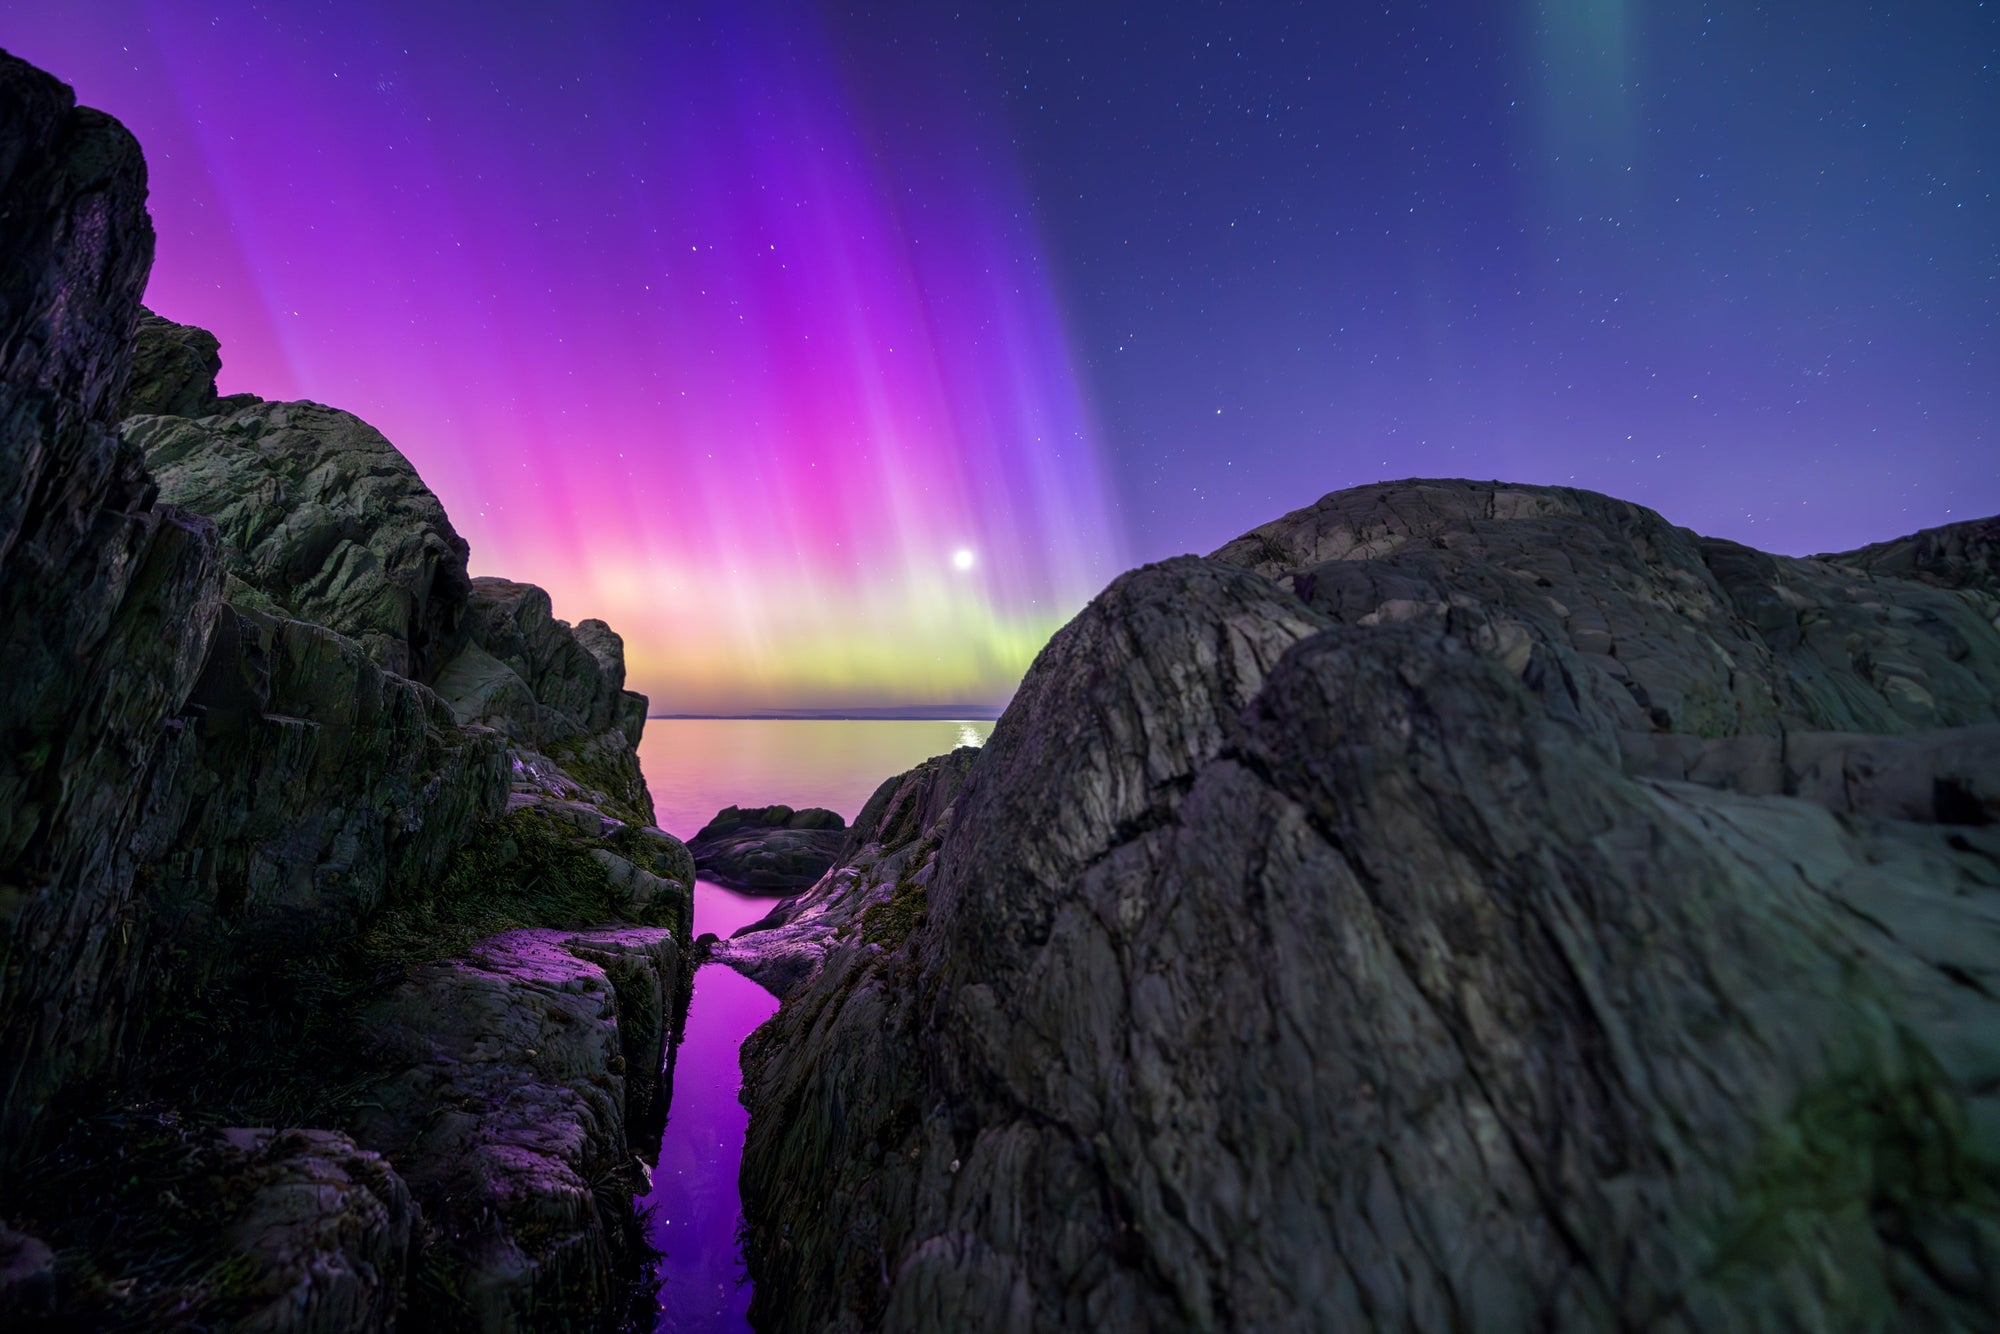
<point>914,714</point>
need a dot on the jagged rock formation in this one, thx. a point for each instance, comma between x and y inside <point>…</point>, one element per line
<point>769,849</point>
<point>1314,945</point>
<point>876,892</point>
<point>173,371</point>
<point>557,692</point>
<point>252,865</point>
<point>105,598</point>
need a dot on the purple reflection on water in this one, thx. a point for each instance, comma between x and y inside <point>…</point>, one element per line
<point>694,1201</point>
<point>694,767</point>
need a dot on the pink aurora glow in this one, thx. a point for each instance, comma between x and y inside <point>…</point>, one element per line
<point>668,323</point>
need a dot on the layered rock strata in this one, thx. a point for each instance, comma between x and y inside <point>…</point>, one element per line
<point>1330,936</point>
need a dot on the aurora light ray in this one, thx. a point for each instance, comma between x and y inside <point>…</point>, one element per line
<point>739,373</point>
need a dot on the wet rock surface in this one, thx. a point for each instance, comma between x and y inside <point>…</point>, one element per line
<point>1330,936</point>
<point>768,849</point>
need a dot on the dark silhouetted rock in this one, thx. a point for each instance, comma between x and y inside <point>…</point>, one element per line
<point>322,520</point>
<point>768,849</point>
<point>1317,963</point>
<point>105,598</point>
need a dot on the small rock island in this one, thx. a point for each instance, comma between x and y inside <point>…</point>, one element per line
<point>768,849</point>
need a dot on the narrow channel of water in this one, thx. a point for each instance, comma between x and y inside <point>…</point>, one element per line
<point>695,767</point>
<point>694,1204</point>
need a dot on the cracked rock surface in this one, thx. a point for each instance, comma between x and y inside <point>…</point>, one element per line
<point>1450,906</point>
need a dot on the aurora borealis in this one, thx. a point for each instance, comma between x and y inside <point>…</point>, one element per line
<point>674,338</point>
<point>835,356</point>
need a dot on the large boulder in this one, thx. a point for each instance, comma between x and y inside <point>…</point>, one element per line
<point>1309,948</point>
<point>322,520</point>
<point>1612,614</point>
<point>768,849</point>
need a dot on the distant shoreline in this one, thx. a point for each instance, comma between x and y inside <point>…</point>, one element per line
<point>968,715</point>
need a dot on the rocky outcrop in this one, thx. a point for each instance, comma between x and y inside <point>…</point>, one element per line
<point>322,520</point>
<point>173,371</point>
<point>243,1229</point>
<point>876,894</point>
<point>253,866</point>
<point>325,521</point>
<point>1310,947</point>
<point>1956,556</point>
<point>1614,616</point>
<point>106,599</point>
<point>305,790</point>
<point>524,1168</point>
<point>556,691</point>
<point>768,849</point>
<point>323,1234</point>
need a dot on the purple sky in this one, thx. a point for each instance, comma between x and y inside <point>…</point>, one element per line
<point>835,354</point>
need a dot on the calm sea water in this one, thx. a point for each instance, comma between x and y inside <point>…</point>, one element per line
<point>695,767</point>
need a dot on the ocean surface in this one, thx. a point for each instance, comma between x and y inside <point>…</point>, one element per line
<point>695,767</point>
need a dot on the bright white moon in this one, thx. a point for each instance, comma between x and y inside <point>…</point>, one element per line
<point>961,559</point>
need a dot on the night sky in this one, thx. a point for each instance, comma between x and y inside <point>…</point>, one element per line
<point>835,355</point>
